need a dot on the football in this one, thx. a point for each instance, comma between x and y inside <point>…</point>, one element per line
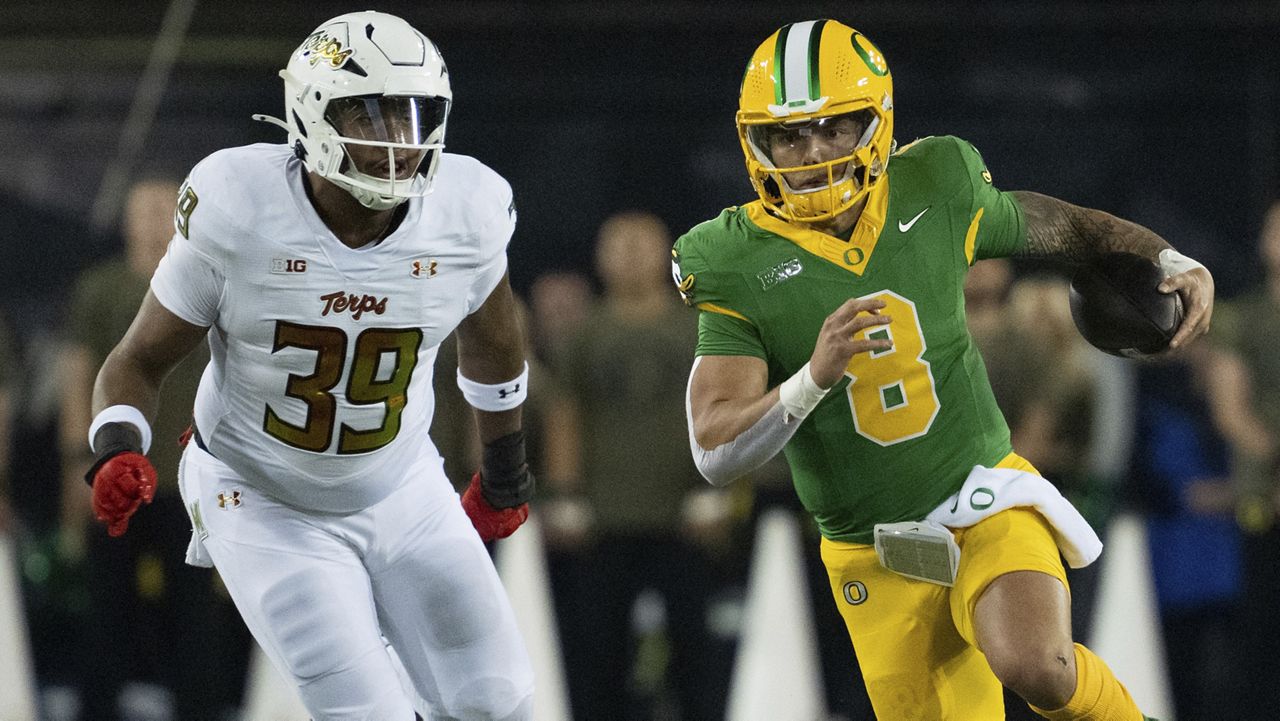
<point>1117,308</point>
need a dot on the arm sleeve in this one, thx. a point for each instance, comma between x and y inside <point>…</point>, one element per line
<point>1000,230</point>
<point>751,449</point>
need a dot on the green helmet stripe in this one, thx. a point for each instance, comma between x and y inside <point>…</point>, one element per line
<point>815,40</point>
<point>779,55</point>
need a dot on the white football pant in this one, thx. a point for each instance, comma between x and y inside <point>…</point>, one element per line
<point>320,591</point>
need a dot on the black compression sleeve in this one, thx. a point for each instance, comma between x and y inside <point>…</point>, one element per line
<point>505,480</point>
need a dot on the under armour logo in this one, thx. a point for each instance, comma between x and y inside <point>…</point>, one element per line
<point>229,500</point>
<point>423,268</point>
<point>504,392</point>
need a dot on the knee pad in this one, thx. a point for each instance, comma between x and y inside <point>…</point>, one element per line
<point>362,692</point>
<point>489,700</point>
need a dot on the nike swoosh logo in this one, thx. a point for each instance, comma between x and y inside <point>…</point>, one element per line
<point>904,227</point>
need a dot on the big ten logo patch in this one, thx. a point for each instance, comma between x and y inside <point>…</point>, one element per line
<point>288,265</point>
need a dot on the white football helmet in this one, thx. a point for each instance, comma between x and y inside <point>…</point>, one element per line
<point>366,100</point>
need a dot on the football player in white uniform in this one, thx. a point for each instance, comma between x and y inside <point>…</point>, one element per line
<point>325,273</point>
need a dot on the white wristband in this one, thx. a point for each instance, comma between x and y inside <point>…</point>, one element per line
<point>1172,263</point>
<point>799,394</point>
<point>122,414</point>
<point>498,396</point>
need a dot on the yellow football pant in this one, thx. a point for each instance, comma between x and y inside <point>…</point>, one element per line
<point>915,640</point>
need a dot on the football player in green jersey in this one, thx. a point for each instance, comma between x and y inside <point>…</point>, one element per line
<point>832,328</point>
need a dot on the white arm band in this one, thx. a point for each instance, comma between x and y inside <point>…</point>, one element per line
<point>730,461</point>
<point>122,414</point>
<point>498,396</point>
<point>1172,263</point>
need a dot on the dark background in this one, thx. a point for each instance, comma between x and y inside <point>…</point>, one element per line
<point>1165,112</point>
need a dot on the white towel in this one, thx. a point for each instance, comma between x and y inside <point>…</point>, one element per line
<point>197,554</point>
<point>988,491</point>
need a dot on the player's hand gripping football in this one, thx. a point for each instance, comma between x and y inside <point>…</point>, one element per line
<point>836,342</point>
<point>1195,287</point>
<point>491,523</point>
<point>121,482</point>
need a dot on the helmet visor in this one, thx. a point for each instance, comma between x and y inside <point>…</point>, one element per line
<point>400,119</point>
<point>812,140</point>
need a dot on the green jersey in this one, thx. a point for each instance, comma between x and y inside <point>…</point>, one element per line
<point>903,428</point>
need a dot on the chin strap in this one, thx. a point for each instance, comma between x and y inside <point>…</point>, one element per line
<point>372,200</point>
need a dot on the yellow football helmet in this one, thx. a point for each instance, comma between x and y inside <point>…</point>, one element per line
<point>816,78</point>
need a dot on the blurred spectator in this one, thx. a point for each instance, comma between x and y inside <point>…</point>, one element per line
<point>1244,384</point>
<point>1050,414</point>
<point>560,303</point>
<point>651,533</point>
<point>154,620</point>
<point>986,304</point>
<point>1180,472</point>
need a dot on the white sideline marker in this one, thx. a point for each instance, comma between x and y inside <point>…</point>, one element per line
<point>17,680</point>
<point>1126,627</point>
<point>777,676</point>
<point>522,565</point>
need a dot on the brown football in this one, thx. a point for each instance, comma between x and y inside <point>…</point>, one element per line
<point>1117,308</point>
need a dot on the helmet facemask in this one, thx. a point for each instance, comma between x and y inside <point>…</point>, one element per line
<point>822,189</point>
<point>389,146</point>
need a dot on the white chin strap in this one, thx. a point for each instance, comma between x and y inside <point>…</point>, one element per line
<point>372,200</point>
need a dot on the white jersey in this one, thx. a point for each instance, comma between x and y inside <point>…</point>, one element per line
<point>318,391</point>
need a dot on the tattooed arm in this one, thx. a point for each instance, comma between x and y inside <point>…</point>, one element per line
<point>1058,229</point>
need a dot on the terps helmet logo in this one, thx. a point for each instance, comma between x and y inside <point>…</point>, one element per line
<point>322,48</point>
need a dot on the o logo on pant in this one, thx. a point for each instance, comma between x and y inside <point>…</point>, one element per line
<point>855,593</point>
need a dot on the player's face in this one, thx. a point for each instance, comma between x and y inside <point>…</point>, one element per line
<point>810,143</point>
<point>386,119</point>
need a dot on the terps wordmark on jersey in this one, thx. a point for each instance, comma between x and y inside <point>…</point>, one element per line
<point>357,305</point>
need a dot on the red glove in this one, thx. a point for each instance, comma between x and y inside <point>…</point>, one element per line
<point>121,484</point>
<point>491,523</point>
